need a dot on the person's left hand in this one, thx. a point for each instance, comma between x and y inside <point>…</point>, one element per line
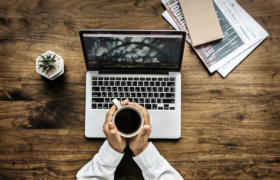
<point>116,141</point>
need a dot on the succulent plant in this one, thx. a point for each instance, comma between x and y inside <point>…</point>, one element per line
<point>47,63</point>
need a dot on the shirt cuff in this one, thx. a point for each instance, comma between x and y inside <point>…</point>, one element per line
<point>110,156</point>
<point>148,157</point>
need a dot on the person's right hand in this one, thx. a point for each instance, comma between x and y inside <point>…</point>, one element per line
<point>139,142</point>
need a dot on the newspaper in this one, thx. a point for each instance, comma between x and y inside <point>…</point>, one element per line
<point>247,19</point>
<point>237,37</point>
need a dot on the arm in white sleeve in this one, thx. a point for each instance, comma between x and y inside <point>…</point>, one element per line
<point>154,166</point>
<point>102,166</point>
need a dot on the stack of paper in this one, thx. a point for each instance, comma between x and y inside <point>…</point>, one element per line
<point>242,34</point>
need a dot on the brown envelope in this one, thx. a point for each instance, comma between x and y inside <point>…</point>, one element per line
<point>201,20</point>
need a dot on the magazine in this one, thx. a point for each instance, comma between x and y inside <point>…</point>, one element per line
<point>229,66</point>
<point>237,37</point>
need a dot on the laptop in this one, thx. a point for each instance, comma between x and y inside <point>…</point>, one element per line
<point>140,65</point>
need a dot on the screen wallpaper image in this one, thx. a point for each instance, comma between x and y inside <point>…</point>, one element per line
<point>133,52</point>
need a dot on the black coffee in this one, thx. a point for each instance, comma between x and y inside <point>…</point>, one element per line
<point>127,121</point>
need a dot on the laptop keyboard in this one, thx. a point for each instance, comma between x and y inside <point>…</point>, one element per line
<point>153,93</point>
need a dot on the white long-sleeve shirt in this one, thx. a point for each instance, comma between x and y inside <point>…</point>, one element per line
<point>105,162</point>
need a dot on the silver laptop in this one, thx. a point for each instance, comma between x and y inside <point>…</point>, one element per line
<point>140,65</point>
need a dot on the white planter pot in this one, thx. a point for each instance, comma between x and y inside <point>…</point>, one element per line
<point>55,75</point>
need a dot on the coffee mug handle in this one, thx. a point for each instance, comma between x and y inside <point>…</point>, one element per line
<point>117,103</point>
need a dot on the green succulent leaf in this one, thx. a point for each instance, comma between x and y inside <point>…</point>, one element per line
<point>47,63</point>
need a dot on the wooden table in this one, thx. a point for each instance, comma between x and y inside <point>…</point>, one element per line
<point>230,127</point>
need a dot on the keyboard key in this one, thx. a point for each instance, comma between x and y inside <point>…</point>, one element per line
<point>106,78</point>
<point>172,79</point>
<point>160,108</point>
<point>100,83</point>
<point>121,94</point>
<point>110,105</point>
<point>137,89</point>
<point>128,83</point>
<point>156,95</point>
<point>111,83</point>
<point>99,106</point>
<point>148,79</point>
<point>169,95</point>
<point>154,79</point>
<point>117,83</point>
<point>166,105</point>
<point>148,106</point>
<point>136,79</point>
<point>166,79</point>
<point>139,95</point>
<point>107,100</point>
<point>131,89</point>
<point>94,78</point>
<point>142,79</point>
<point>141,100</point>
<point>134,83</point>
<point>153,100</point>
<point>133,94</point>
<point>130,99</point>
<point>140,83</point>
<point>102,89</point>
<point>163,83</point>
<point>142,105</point>
<point>95,88</point>
<point>120,89</point>
<point>93,106</point>
<point>170,83</point>
<point>143,89</point>
<point>154,106</point>
<point>160,79</point>
<point>147,100</point>
<point>154,89</point>
<point>112,78</point>
<point>110,94</point>
<point>149,89</point>
<point>104,94</point>
<point>172,89</point>
<point>158,100</point>
<point>130,79</point>
<point>144,95</point>
<point>115,89</point>
<point>135,100</point>
<point>108,88</point>
<point>160,89</point>
<point>96,94</point>
<point>168,100</point>
<point>161,95</point>
<point>123,83</point>
<point>124,78</point>
<point>125,89</point>
<point>123,99</point>
<point>115,94</point>
<point>105,106</point>
<point>152,83</point>
<point>105,83</point>
<point>118,78</point>
<point>150,94</point>
<point>94,83</point>
<point>172,108</point>
<point>100,78</point>
<point>157,83</point>
<point>166,89</point>
<point>146,83</point>
<point>126,94</point>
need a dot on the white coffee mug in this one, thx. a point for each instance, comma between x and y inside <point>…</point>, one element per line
<point>119,109</point>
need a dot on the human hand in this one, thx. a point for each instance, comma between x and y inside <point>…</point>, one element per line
<point>139,142</point>
<point>116,141</point>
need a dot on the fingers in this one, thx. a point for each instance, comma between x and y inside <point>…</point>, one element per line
<point>145,130</point>
<point>113,130</point>
<point>125,102</point>
<point>110,114</point>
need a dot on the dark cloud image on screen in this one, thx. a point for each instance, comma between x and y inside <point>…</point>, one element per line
<point>133,52</point>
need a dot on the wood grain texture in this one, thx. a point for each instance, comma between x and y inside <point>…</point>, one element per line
<point>230,127</point>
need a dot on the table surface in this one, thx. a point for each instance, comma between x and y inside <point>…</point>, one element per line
<point>230,127</point>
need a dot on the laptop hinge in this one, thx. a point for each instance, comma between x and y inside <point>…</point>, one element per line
<point>132,72</point>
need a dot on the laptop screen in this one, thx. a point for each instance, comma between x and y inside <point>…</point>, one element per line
<point>137,51</point>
